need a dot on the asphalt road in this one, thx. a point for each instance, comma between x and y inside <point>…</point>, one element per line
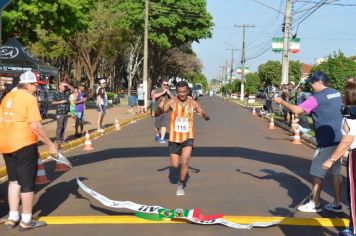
<point>239,167</point>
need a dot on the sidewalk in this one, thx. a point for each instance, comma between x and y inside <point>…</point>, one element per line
<point>119,112</point>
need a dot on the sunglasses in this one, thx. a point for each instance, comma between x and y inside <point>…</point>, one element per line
<point>165,84</point>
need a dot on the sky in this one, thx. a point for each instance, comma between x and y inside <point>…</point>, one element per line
<point>329,29</point>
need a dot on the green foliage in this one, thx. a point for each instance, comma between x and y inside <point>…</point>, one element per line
<point>252,82</point>
<point>270,73</point>
<point>338,68</point>
<point>110,95</point>
<point>294,71</point>
<point>196,78</point>
<point>26,18</point>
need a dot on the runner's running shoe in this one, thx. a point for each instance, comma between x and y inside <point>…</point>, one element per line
<point>180,190</point>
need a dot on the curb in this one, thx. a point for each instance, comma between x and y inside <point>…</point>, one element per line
<point>308,140</point>
<point>80,141</point>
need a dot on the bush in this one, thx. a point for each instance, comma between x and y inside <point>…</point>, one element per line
<point>110,95</point>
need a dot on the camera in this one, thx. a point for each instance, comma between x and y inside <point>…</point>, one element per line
<point>348,112</point>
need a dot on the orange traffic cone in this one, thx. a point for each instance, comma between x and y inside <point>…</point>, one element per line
<point>254,111</point>
<point>87,143</point>
<point>271,123</point>
<point>41,173</point>
<point>117,125</point>
<point>296,138</point>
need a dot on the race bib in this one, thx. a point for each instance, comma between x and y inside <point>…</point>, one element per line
<point>181,125</point>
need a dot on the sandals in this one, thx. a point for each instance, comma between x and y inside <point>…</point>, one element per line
<point>11,224</point>
<point>31,225</point>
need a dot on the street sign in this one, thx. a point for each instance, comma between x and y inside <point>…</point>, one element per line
<point>4,3</point>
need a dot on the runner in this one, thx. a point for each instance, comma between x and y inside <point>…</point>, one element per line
<point>181,135</point>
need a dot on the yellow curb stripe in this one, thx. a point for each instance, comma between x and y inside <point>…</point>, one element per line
<point>320,222</point>
<point>78,142</point>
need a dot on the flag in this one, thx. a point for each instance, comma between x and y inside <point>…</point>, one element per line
<point>277,44</point>
<point>294,45</point>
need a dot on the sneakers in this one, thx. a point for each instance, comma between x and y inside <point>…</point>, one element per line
<point>157,138</point>
<point>346,232</point>
<point>180,190</point>
<point>101,131</point>
<point>163,141</point>
<point>31,225</point>
<point>310,207</point>
<point>333,207</point>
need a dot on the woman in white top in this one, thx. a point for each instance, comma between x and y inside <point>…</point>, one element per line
<point>348,142</point>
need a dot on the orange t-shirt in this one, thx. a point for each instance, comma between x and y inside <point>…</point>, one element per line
<point>18,110</point>
<point>182,121</point>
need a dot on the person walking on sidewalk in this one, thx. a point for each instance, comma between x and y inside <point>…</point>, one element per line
<point>79,110</point>
<point>324,106</point>
<point>162,94</point>
<point>348,142</point>
<point>101,104</point>
<point>181,134</point>
<point>61,100</point>
<point>20,128</point>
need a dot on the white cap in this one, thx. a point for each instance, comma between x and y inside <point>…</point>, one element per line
<point>292,83</point>
<point>102,81</point>
<point>28,77</point>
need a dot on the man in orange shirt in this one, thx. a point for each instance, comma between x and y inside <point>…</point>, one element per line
<point>181,134</point>
<point>20,128</point>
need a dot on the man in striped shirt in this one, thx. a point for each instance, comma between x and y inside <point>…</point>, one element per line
<point>181,132</point>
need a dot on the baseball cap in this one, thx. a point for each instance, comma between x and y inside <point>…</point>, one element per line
<point>28,77</point>
<point>292,83</point>
<point>102,81</point>
<point>316,76</point>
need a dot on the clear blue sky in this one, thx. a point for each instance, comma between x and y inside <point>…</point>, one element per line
<point>328,29</point>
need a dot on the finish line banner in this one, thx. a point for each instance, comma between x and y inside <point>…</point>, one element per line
<point>159,213</point>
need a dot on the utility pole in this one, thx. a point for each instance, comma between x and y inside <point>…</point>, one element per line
<point>287,26</point>
<point>145,56</point>
<point>243,58</point>
<point>232,61</point>
<point>223,73</point>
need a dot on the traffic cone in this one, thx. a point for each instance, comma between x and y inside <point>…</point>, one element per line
<point>117,125</point>
<point>87,143</point>
<point>254,111</point>
<point>296,138</point>
<point>41,173</point>
<point>271,123</point>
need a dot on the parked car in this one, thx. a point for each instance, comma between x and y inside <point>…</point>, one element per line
<point>199,88</point>
<point>260,93</point>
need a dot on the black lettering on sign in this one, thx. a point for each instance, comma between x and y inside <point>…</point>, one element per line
<point>148,208</point>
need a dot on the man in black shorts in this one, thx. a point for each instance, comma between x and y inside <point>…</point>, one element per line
<point>20,127</point>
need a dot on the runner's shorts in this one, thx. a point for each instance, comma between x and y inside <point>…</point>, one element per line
<point>162,120</point>
<point>103,108</point>
<point>21,166</point>
<point>176,148</point>
<point>320,156</point>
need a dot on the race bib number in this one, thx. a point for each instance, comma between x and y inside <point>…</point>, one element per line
<point>181,125</point>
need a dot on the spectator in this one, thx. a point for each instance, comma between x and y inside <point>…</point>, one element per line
<point>324,106</point>
<point>348,142</point>
<point>79,110</point>
<point>153,102</point>
<point>61,100</point>
<point>162,94</point>
<point>140,99</point>
<point>20,127</point>
<point>72,101</point>
<point>101,102</point>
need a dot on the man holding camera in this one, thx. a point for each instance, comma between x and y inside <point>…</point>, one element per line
<point>61,100</point>
<point>162,94</point>
<point>324,106</point>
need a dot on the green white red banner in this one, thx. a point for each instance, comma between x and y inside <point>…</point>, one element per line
<point>294,45</point>
<point>158,213</point>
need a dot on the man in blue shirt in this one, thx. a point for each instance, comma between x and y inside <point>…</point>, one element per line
<point>324,106</point>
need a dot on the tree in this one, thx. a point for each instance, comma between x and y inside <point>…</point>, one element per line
<point>338,68</point>
<point>197,77</point>
<point>252,82</point>
<point>270,73</point>
<point>295,69</point>
<point>26,19</point>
